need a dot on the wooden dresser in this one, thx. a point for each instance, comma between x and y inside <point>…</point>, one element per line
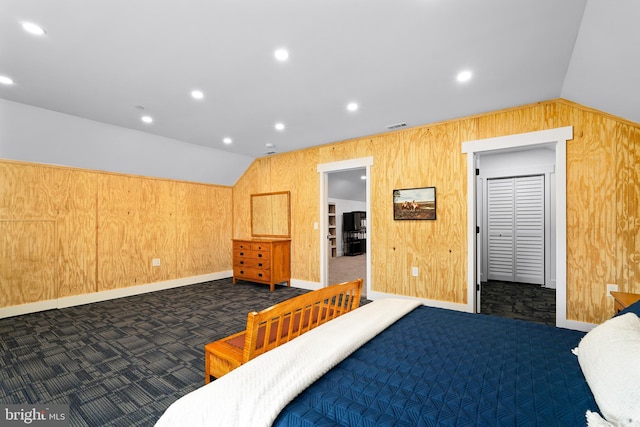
<point>265,261</point>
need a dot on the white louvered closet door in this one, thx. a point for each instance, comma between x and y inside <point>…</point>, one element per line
<point>529,226</point>
<point>501,232</point>
<point>515,208</point>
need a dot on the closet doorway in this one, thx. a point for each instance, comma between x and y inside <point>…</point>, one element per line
<point>479,154</point>
<point>515,222</point>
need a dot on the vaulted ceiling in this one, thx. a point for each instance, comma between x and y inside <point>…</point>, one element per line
<point>116,61</point>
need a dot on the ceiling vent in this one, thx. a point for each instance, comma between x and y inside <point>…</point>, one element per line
<point>397,126</point>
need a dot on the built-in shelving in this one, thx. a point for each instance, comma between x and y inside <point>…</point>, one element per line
<point>332,232</point>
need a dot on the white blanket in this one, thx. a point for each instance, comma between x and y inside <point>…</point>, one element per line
<point>255,393</point>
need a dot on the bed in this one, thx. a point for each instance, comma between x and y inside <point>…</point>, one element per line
<point>396,362</point>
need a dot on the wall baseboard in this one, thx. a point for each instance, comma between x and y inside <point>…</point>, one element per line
<point>109,295</point>
<point>580,326</point>
<point>303,284</point>
<point>428,302</point>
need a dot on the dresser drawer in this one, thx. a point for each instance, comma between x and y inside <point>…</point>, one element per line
<point>259,264</point>
<point>244,253</point>
<point>260,247</point>
<point>251,274</point>
<point>237,245</point>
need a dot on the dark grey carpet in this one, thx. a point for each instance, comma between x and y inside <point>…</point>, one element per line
<point>123,362</point>
<point>519,301</point>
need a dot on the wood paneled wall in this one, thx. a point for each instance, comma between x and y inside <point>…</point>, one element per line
<point>66,232</point>
<point>603,197</point>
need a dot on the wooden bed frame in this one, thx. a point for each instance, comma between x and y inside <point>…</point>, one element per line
<point>279,324</point>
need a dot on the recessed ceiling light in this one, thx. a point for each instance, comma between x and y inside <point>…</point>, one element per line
<point>269,145</point>
<point>464,76</point>
<point>363,177</point>
<point>6,80</point>
<point>197,94</point>
<point>281,54</point>
<point>227,140</point>
<point>34,29</point>
<point>146,119</point>
<point>279,126</point>
<point>352,106</point>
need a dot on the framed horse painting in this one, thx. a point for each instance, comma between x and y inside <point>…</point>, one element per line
<point>414,203</point>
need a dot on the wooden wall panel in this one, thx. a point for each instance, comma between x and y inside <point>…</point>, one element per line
<point>203,229</point>
<point>591,214</point>
<point>27,262</point>
<point>74,195</point>
<point>157,229</point>
<point>300,167</point>
<point>118,264</point>
<point>66,196</point>
<point>26,193</point>
<point>628,208</point>
<point>136,223</point>
<point>422,157</point>
<point>633,209</point>
<point>517,120</point>
<point>105,230</point>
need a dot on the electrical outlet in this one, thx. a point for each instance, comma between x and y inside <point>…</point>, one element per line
<point>414,271</point>
<point>155,262</point>
<point>610,288</point>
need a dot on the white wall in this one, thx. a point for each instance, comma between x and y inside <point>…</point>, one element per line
<point>343,206</point>
<point>37,135</point>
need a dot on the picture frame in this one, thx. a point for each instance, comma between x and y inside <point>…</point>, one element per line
<point>414,203</point>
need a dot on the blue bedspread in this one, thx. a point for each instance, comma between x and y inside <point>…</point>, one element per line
<point>438,367</point>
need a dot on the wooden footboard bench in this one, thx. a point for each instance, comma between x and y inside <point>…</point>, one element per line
<point>279,324</point>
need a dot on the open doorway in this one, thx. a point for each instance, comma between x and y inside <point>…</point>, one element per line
<point>556,138</point>
<point>347,222</point>
<point>345,174</point>
<point>516,224</point>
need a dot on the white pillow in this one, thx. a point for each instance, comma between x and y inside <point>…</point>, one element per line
<point>609,356</point>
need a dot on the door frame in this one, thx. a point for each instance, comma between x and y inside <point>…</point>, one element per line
<point>557,138</point>
<point>324,169</point>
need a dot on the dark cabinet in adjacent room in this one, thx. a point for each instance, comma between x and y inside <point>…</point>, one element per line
<point>354,233</point>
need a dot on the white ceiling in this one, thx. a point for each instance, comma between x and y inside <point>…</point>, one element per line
<point>397,59</point>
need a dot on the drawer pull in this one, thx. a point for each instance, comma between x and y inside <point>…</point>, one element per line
<point>259,255</point>
<point>241,272</point>
<point>241,253</point>
<point>259,264</point>
<point>241,262</point>
<point>259,274</point>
